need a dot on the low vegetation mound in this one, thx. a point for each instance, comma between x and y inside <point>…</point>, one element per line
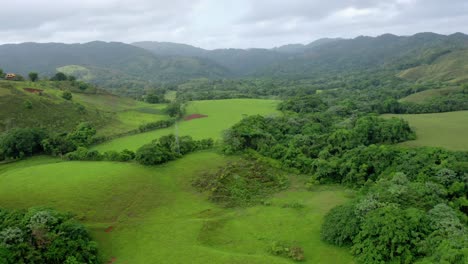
<point>241,183</point>
<point>44,236</point>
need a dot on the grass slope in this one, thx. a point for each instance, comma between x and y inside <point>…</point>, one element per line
<point>451,67</point>
<point>222,114</point>
<point>427,95</point>
<point>109,113</point>
<point>157,217</point>
<point>446,130</point>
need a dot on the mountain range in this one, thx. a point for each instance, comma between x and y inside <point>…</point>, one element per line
<point>112,63</point>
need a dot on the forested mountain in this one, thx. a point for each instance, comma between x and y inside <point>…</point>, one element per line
<point>389,51</point>
<point>142,64</point>
<point>325,55</point>
<point>109,62</point>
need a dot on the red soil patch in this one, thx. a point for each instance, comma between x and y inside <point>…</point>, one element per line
<point>112,260</point>
<point>194,116</point>
<point>32,90</point>
<point>109,229</point>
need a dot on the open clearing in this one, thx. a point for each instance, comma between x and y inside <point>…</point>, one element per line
<point>446,130</point>
<point>153,215</point>
<point>222,114</point>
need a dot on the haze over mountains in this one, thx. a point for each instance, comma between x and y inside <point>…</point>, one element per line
<point>107,63</point>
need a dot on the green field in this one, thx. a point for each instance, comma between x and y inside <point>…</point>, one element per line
<point>157,217</point>
<point>222,114</point>
<point>446,130</point>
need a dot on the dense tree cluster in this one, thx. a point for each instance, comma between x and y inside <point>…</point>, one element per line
<point>23,142</point>
<point>44,236</point>
<point>297,140</point>
<point>169,148</point>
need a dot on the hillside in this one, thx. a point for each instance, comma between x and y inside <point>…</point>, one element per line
<point>40,104</point>
<point>450,67</point>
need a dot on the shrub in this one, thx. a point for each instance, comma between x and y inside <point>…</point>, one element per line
<point>67,95</point>
<point>156,125</point>
<point>241,183</point>
<point>287,250</point>
<point>168,148</point>
<point>341,225</point>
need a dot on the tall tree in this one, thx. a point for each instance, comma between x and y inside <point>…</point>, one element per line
<point>33,76</point>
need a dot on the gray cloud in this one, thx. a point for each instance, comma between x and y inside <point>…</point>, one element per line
<point>223,23</point>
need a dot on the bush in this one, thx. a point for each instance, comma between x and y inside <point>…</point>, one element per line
<point>341,225</point>
<point>57,145</point>
<point>83,135</point>
<point>287,250</point>
<point>67,95</point>
<point>168,148</point>
<point>154,154</point>
<point>84,154</point>
<point>241,183</point>
<point>125,155</point>
<point>156,125</point>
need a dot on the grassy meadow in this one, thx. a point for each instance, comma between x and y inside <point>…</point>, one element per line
<point>426,95</point>
<point>222,114</point>
<point>446,130</point>
<point>153,214</point>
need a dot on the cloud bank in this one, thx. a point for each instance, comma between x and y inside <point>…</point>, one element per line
<point>222,23</point>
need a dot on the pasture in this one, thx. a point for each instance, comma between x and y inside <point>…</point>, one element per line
<point>222,114</point>
<point>153,214</point>
<point>446,130</point>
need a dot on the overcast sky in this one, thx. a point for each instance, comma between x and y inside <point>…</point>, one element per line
<point>222,23</point>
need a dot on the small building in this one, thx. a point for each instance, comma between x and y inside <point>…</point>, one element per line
<point>10,76</point>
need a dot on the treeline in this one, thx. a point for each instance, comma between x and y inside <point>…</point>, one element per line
<point>162,150</point>
<point>44,236</point>
<point>25,142</point>
<point>169,148</point>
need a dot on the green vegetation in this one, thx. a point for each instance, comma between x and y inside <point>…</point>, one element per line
<point>47,105</point>
<point>450,67</point>
<point>44,236</point>
<point>145,179</point>
<point>242,183</point>
<point>221,115</point>
<point>427,95</point>
<point>156,207</point>
<point>447,130</point>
